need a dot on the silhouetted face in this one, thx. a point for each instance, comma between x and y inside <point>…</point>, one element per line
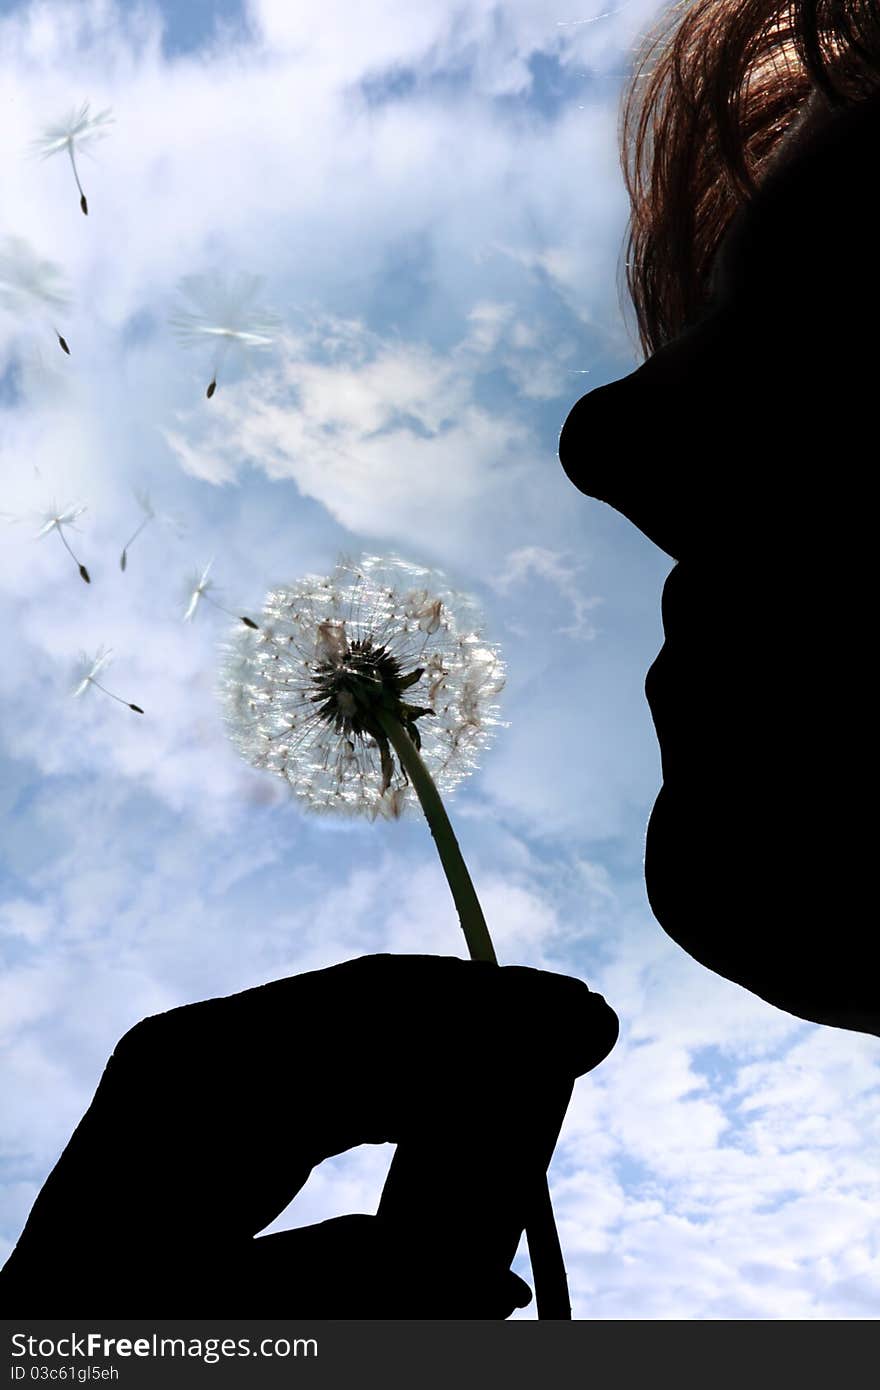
<point>744,450</point>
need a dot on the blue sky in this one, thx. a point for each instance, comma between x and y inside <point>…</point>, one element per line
<point>186,27</point>
<point>433,196</point>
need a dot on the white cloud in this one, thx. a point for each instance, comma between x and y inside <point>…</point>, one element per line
<point>20,918</point>
<point>546,564</point>
<point>442,248</point>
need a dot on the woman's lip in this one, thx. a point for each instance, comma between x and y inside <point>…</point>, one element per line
<point>653,683</point>
<point>654,677</point>
<point>669,597</point>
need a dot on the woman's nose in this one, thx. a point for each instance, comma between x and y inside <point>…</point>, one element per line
<point>657,444</point>
<point>604,450</point>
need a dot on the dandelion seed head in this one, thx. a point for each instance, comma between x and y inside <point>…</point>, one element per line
<point>56,517</point>
<point>87,668</point>
<point>300,695</point>
<point>79,128</point>
<point>145,502</point>
<point>197,585</point>
<point>168,520</point>
<point>224,308</point>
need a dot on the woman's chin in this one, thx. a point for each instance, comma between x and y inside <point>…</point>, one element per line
<point>745,905</point>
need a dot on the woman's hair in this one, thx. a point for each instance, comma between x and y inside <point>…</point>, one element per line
<point>700,126</point>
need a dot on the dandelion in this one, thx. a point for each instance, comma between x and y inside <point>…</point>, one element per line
<point>330,649</point>
<point>87,669</point>
<point>362,690</point>
<point>225,316</point>
<point>198,588</point>
<point>28,283</point>
<point>145,503</point>
<point>79,130</point>
<point>55,520</point>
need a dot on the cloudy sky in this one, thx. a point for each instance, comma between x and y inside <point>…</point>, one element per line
<point>432,195</point>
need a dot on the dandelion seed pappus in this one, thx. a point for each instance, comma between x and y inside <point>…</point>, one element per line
<point>78,131</point>
<point>86,671</point>
<point>221,311</point>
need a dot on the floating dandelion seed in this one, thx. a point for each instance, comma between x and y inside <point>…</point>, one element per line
<point>225,316</point>
<point>79,131</point>
<point>28,283</point>
<point>87,669</point>
<point>145,503</point>
<point>198,588</point>
<point>365,687</point>
<point>55,520</point>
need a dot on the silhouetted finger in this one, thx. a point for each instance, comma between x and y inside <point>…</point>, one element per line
<point>347,1267</point>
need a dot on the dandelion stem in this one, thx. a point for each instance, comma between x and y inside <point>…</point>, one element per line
<point>545,1253</point>
<point>470,913</point>
<point>82,197</point>
<point>123,559</point>
<point>137,709</point>
<point>131,540</point>
<point>248,622</point>
<point>219,358</point>
<point>83,572</point>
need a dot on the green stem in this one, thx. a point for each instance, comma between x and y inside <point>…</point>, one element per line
<point>548,1269</point>
<point>470,914</point>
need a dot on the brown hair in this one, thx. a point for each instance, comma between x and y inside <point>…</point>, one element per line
<point>700,128</point>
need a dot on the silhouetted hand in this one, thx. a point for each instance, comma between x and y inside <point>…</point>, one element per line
<point>209,1119</point>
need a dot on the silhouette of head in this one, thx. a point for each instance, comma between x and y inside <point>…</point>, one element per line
<point>739,447</point>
